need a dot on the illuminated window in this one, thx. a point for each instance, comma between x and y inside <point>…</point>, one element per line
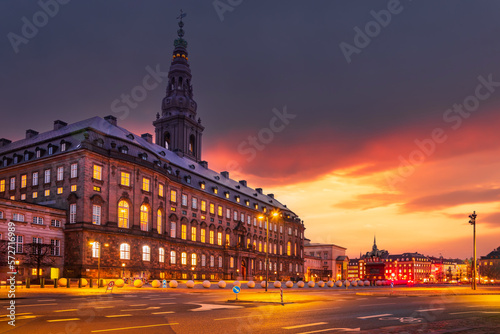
<point>212,208</point>
<point>159,221</point>
<point>146,184</point>
<point>98,189</point>
<point>219,211</point>
<point>161,255</point>
<point>60,173</point>
<point>216,191</point>
<point>46,193</point>
<point>193,233</point>
<point>160,190</point>
<point>124,252</point>
<point>265,247</point>
<point>73,187</point>
<point>193,259</point>
<point>23,181</point>
<point>35,194</point>
<point>219,238</point>
<point>146,253</point>
<point>144,218</point>
<point>173,259</point>
<point>183,232</point>
<point>125,179</point>
<point>203,205</point>
<point>97,172</point>
<point>173,229</point>
<point>96,214</point>
<point>123,217</point>
<point>202,185</point>
<point>173,196</point>
<point>260,246</point>
<point>231,262</point>
<point>289,248</point>
<point>202,236</point>
<point>96,249</point>
<point>226,194</point>
<point>211,234</point>
<point>228,241</point>
<point>59,190</point>
<point>74,170</point>
<point>184,258</point>
<point>2,186</point>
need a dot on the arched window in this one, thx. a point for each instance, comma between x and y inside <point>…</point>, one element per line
<point>144,217</point>
<point>193,259</point>
<point>212,261</point>
<point>124,252</point>
<point>167,140</point>
<point>173,259</point>
<point>183,258</point>
<point>161,255</point>
<point>192,144</point>
<point>288,248</point>
<point>159,221</point>
<point>123,214</point>
<point>295,248</point>
<point>180,83</point>
<point>146,253</point>
<point>260,246</point>
<point>203,260</point>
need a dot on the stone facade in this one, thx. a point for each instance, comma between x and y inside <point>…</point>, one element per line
<point>334,262</point>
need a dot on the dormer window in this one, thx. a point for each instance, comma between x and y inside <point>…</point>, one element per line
<point>38,152</point>
<point>256,206</point>
<point>99,142</point>
<point>27,156</point>
<point>202,185</point>
<point>64,146</point>
<point>124,149</point>
<point>226,193</point>
<point>51,150</point>
<point>143,156</point>
<point>247,203</point>
<point>169,169</point>
<point>237,198</point>
<point>216,190</point>
<point>188,179</point>
<point>16,158</point>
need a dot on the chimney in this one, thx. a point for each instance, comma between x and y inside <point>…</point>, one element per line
<point>30,133</point>
<point>111,120</point>
<point>204,164</point>
<point>271,195</point>
<point>243,182</point>
<point>225,174</point>
<point>59,124</point>
<point>4,142</point>
<point>148,137</point>
<point>259,190</point>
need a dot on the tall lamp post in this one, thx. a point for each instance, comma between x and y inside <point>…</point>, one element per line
<point>472,221</point>
<point>98,248</point>
<point>274,214</point>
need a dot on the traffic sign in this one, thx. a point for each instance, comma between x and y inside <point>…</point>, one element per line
<point>110,286</point>
<point>236,289</point>
<point>392,284</point>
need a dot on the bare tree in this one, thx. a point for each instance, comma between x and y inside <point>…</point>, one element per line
<point>38,255</point>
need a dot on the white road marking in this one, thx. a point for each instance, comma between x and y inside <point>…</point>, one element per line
<point>209,307</point>
<point>306,325</point>
<point>375,316</point>
<point>431,309</point>
<point>69,319</point>
<point>334,329</point>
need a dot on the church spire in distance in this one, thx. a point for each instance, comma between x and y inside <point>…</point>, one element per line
<point>178,128</point>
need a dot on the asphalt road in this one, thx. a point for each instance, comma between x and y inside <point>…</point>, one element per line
<point>190,311</point>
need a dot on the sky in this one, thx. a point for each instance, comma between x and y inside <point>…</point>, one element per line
<point>367,118</point>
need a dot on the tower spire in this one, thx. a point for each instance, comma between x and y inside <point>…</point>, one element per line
<point>177,129</point>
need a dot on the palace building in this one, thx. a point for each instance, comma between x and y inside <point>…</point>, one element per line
<point>138,208</point>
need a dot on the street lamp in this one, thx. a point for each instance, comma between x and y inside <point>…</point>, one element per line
<point>274,214</point>
<point>97,245</point>
<point>472,221</point>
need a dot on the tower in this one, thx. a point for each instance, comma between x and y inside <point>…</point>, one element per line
<point>177,128</point>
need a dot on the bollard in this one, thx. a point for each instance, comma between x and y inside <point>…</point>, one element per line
<point>67,282</point>
<point>90,283</point>
<point>100,283</point>
<point>55,283</point>
<point>42,282</point>
<point>80,283</point>
<point>27,283</point>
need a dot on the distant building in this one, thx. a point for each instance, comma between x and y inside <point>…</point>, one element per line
<point>334,262</point>
<point>31,224</point>
<point>408,267</point>
<point>375,263</point>
<point>489,266</point>
<point>356,269</point>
